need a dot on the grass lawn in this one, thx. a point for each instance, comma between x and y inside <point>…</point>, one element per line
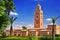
<point>27,38</point>
<point>18,38</point>
<point>14,38</point>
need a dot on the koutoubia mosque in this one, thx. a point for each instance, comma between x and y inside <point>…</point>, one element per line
<point>38,29</point>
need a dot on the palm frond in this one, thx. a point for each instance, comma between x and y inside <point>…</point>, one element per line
<point>53,20</point>
<point>12,19</point>
<point>57,18</point>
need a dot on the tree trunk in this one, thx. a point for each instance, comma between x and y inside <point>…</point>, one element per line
<point>7,7</point>
<point>11,30</point>
<point>7,12</point>
<point>53,33</point>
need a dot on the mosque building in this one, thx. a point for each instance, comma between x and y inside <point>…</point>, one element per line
<point>38,29</point>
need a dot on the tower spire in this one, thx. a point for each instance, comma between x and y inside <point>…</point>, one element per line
<point>38,5</point>
<point>38,2</point>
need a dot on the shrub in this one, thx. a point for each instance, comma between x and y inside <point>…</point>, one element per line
<point>44,38</point>
<point>57,35</point>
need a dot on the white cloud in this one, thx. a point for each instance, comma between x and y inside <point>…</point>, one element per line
<point>13,13</point>
<point>51,23</point>
<point>48,19</point>
<point>21,22</point>
<point>30,26</point>
<point>17,26</point>
<point>14,27</point>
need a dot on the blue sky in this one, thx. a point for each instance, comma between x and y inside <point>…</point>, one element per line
<point>25,10</point>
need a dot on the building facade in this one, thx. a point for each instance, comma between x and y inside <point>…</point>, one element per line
<point>38,29</point>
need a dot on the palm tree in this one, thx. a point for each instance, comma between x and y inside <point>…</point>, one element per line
<point>24,27</point>
<point>53,21</point>
<point>30,35</point>
<point>9,6</point>
<point>12,19</point>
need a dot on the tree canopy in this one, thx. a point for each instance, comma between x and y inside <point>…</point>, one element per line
<point>24,27</point>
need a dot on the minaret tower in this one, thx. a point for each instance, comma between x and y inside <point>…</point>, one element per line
<point>38,17</point>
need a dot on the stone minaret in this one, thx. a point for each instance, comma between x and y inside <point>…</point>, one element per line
<point>38,17</point>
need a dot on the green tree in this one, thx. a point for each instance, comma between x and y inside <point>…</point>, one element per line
<point>4,22</point>
<point>12,19</point>
<point>24,27</point>
<point>54,21</point>
<point>8,6</point>
<point>2,8</point>
<point>5,7</point>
